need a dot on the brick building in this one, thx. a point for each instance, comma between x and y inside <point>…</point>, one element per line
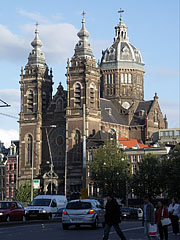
<point>107,95</point>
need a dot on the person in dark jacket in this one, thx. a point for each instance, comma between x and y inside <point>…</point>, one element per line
<point>112,217</point>
<point>161,213</point>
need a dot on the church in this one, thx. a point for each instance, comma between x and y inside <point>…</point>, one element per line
<point>106,96</point>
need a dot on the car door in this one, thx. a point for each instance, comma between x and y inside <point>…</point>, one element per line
<point>21,211</point>
<point>100,211</point>
<point>14,211</point>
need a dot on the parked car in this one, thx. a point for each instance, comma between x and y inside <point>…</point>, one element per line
<point>130,213</point>
<point>11,211</point>
<point>45,206</point>
<point>83,212</point>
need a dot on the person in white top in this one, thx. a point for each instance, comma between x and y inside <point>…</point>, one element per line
<point>173,214</point>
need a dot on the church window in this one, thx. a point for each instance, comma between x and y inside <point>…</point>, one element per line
<point>30,99</point>
<point>110,78</point>
<point>129,78</point>
<point>122,78</point>
<point>92,95</point>
<point>59,105</point>
<point>28,149</point>
<point>114,78</point>
<point>44,100</point>
<point>125,78</point>
<point>107,79</point>
<point>77,97</point>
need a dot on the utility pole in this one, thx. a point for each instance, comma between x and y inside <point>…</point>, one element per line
<point>84,146</point>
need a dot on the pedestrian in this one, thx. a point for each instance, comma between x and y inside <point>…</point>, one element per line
<point>148,217</point>
<point>112,217</point>
<point>161,213</point>
<point>173,214</point>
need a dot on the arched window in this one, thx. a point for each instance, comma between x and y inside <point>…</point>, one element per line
<point>59,105</point>
<point>77,138</point>
<point>44,100</point>
<point>77,95</point>
<point>129,78</point>
<point>30,100</point>
<point>28,149</point>
<point>92,95</point>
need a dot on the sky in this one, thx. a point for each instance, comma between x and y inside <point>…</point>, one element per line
<point>153,27</point>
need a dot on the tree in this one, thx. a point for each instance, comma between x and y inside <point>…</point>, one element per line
<point>23,193</point>
<point>108,169</point>
<point>171,173</point>
<point>146,181</point>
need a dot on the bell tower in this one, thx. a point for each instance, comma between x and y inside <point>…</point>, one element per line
<point>83,89</point>
<point>36,94</point>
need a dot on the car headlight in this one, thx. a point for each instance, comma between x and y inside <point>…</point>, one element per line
<point>43,211</point>
<point>1,213</point>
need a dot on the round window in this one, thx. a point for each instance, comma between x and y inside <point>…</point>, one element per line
<point>59,140</point>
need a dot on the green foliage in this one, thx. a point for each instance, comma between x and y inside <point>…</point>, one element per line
<point>171,173</point>
<point>108,170</point>
<point>146,181</point>
<point>23,193</point>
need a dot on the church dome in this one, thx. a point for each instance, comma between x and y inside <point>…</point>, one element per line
<point>122,54</point>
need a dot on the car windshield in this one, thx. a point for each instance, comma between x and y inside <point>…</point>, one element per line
<point>5,205</point>
<point>125,210</point>
<point>78,205</point>
<point>40,202</point>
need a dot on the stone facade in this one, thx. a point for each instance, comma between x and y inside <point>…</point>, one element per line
<point>107,95</point>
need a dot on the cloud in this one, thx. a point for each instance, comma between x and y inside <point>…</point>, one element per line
<point>12,97</point>
<point>12,47</point>
<point>37,17</point>
<point>6,136</point>
<point>58,42</point>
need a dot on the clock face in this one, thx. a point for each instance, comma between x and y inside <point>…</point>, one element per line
<point>126,105</point>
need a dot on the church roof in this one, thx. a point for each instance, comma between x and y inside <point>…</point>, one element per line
<point>110,113</point>
<point>139,116</point>
<point>122,54</point>
<point>83,48</point>
<point>36,56</point>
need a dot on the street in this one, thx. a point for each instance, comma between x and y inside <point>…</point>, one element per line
<point>53,231</point>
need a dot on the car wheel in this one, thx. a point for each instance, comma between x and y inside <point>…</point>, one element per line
<point>65,226</point>
<point>8,219</point>
<point>49,216</point>
<point>95,224</point>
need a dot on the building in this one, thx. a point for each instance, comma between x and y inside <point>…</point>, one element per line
<point>107,95</point>
<point>11,170</point>
<point>167,136</point>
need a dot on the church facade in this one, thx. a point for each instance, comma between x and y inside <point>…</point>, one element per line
<point>106,96</point>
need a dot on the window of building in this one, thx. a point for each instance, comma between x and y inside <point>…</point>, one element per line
<point>134,158</point>
<point>107,79</point>
<point>59,105</point>
<point>10,166</point>
<point>125,78</point>
<point>92,95</point>
<point>110,78</point>
<point>28,149</point>
<point>44,100</point>
<point>134,168</point>
<point>129,78</point>
<point>77,97</point>
<point>30,99</point>
<point>177,132</point>
<point>15,166</point>
<point>114,78</point>
<point>122,78</point>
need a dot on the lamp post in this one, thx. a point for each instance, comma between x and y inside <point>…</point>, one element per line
<point>127,188</point>
<point>50,153</point>
<point>32,168</point>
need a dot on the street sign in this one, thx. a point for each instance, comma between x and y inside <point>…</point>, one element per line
<point>84,193</point>
<point>36,184</point>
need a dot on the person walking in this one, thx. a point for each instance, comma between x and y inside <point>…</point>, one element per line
<point>173,214</point>
<point>112,217</point>
<point>161,213</point>
<point>148,217</point>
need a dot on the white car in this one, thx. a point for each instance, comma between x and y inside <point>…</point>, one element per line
<point>83,212</point>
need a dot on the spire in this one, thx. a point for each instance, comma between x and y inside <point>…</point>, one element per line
<point>121,29</point>
<point>83,48</point>
<point>36,56</point>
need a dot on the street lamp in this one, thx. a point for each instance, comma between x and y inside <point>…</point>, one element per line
<point>127,189</point>
<point>50,153</point>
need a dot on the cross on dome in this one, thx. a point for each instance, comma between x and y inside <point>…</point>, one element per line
<point>121,17</point>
